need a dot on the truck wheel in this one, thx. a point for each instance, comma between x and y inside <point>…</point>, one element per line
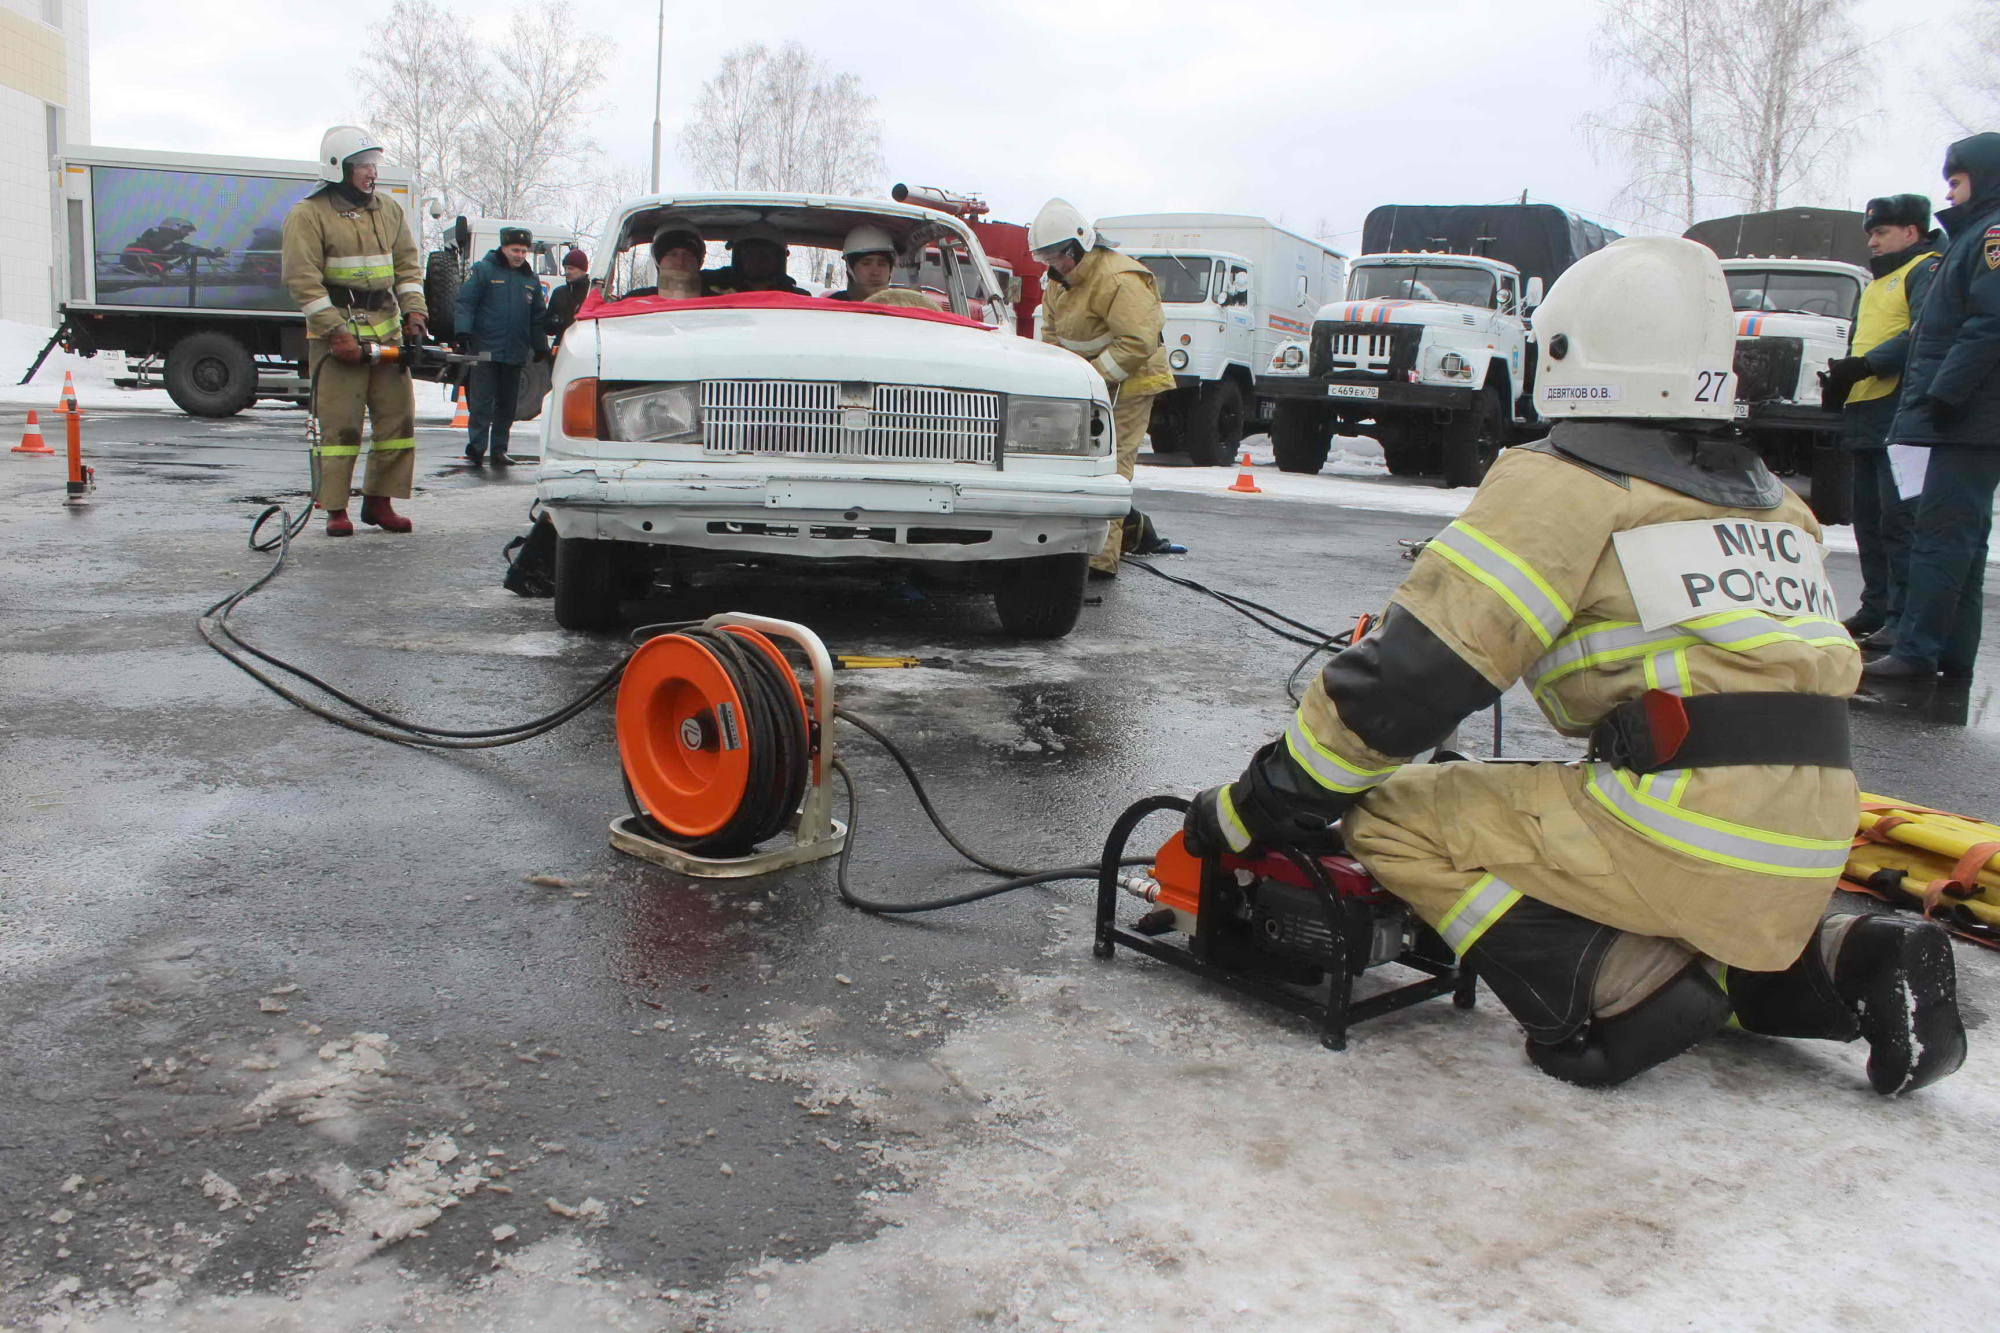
<point>211,375</point>
<point>1406,447</point>
<point>1215,425</point>
<point>1168,429</point>
<point>1833,484</point>
<point>588,583</point>
<point>441,279</point>
<point>1472,443</point>
<point>1301,434</point>
<point>1041,597</point>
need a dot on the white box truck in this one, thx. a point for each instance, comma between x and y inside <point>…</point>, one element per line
<point>1237,290</point>
<point>170,263</point>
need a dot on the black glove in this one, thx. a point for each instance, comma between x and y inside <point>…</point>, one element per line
<point>1202,829</point>
<point>1944,412</point>
<point>1842,374</point>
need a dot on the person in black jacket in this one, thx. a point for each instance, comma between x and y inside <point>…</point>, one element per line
<point>1950,406</point>
<point>500,309</point>
<point>567,299</point>
<point>1904,254</point>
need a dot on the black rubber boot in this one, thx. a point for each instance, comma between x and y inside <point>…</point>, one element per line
<point>1681,1014</point>
<point>1898,978</point>
<point>1798,1002</point>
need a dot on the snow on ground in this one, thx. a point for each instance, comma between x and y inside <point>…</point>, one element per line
<point>20,343</point>
<point>1124,1148</point>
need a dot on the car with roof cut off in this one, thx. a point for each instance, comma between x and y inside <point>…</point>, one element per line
<point>923,439</point>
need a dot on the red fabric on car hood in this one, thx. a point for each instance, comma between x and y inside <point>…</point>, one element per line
<point>596,307</point>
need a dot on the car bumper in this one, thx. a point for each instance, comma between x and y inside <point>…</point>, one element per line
<point>823,514</point>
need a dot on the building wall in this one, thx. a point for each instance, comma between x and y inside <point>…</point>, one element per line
<point>44,104</point>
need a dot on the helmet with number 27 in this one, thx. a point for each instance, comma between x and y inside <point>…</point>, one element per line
<point>1641,328</point>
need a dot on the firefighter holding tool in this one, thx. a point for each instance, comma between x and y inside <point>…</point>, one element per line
<point>351,264</point>
<point>1105,307</point>
<point>1661,594</point>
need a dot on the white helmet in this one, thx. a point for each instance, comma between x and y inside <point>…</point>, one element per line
<point>867,240</point>
<point>1641,328</point>
<point>1060,221</point>
<point>341,143</point>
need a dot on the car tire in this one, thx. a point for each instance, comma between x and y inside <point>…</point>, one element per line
<point>1301,435</point>
<point>589,583</point>
<point>1473,442</point>
<point>211,375</point>
<point>1833,484</point>
<point>1215,425</point>
<point>441,281</point>
<point>1041,597</point>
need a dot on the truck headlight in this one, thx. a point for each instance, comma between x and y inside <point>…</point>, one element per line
<point>1454,365</point>
<point>1177,359</point>
<point>1055,426</point>
<point>656,413</point>
<point>1292,357</point>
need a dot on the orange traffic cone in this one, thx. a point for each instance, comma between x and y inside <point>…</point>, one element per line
<point>463,418</point>
<point>1244,481</point>
<point>68,403</point>
<point>31,438</point>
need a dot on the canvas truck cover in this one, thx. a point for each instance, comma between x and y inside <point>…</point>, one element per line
<point>1786,233</point>
<point>1540,240</point>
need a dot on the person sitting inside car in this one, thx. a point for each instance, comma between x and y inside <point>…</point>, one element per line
<point>759,265</point>
<point>678,252</point>
<point>908,298</point>
<point>870,253</point>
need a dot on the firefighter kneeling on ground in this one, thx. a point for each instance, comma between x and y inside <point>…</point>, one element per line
<point>351,264</point>
<point>1105,307</point>
<point>1626,908</point>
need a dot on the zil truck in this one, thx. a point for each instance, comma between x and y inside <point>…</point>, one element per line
<point>1795,278</point>
<point>170,267</point>
<point>1431,352</point>
<point>1237,292</point>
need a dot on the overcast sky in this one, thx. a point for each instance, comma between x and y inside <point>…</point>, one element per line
<point>1309,113</point>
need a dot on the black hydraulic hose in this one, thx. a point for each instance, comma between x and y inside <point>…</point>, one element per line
<point>1243,606</point>
<point>220,635</point>
<point>924,797</point>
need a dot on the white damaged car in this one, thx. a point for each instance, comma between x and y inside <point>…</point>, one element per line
<point>765,427</point>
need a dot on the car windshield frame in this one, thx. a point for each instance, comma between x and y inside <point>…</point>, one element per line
<point>1799,300</point>
<point>1176,275</point>
<point>1416,288</point>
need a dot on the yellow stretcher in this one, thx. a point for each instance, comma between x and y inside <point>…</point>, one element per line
<point>1946,864</point>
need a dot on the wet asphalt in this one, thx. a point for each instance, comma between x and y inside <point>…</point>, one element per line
<point>201,887</point>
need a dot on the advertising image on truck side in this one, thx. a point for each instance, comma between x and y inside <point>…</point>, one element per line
<point>190,240</point>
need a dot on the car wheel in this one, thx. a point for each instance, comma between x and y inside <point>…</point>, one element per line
<point>1472,443</point>
<point>211,375</point>
<point>588,583</point>
<point>1215,426</point>
<point>1301,434</point>
<point>1040,598</point>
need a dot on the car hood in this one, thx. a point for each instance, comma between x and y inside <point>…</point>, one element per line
<point>835,345</point>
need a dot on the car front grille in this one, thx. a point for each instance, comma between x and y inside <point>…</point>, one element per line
<point>826,419</point>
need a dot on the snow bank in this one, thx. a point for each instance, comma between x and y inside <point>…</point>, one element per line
<point>1355,477</point>
<point>1121,1148</point>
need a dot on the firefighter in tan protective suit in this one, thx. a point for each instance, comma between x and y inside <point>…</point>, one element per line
<point>1658,591</point>
<point>1105,307</point>
<point>351,264</point>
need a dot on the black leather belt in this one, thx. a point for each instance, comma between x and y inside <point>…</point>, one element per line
<point>356,299</point>
<point>1659,731</point>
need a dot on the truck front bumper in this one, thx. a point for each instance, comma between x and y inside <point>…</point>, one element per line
<point>1785,416</point>
<point>820,514</point>
<point>1400,395</point>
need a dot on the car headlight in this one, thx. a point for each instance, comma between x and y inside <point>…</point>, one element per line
<point>1056,426</point>
<point>656,413</point>
<point>1177,359</point>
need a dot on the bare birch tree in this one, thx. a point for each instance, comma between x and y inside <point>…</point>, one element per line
<point>528,145</point>
<point>1792,75</point>
<point>415,86</point>
<point>1971,76</point>
<point>1658,54</point>
<point>782,120</point>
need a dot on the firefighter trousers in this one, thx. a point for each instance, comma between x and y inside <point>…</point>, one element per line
<point>342,396</point>
<point>1130,416</point>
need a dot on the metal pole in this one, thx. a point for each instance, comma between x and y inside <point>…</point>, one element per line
<point>659,86</point>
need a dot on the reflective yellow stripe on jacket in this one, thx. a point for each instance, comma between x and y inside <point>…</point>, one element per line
<point>1325,767</point>
<point>354,270</point>
<point>1708,837</point>
<point>1610,641</point>
<point>1512,578</point>
<point>1476,912</point>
